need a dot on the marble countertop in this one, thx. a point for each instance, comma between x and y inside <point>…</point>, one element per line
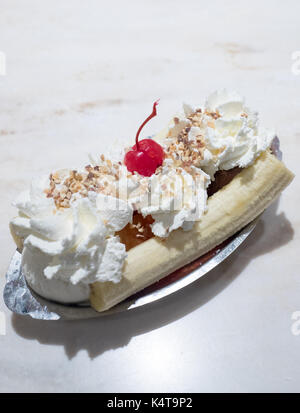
<point>81,75</point>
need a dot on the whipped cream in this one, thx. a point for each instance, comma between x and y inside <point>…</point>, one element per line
<point>173,197</point>
<point>230,131</point>
<point>73,246</point>
<point>236,138</point>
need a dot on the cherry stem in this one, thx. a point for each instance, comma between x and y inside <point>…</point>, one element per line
<point>153,114</point>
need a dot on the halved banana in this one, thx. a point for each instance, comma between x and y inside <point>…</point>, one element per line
<point>229,210</point>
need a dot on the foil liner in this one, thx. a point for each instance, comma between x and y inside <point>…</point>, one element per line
<point>20,299</point>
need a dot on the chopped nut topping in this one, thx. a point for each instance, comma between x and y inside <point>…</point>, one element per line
<point>184,151</point>
<point>99,178</point>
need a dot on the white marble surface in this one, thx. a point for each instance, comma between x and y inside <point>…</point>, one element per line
<point>80,74</point>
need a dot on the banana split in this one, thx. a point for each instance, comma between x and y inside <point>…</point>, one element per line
<point>117,225</point>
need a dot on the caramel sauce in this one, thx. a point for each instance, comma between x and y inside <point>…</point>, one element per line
<point>136,232</point>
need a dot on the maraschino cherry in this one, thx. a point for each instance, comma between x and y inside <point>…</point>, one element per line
<point>147,155</point>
